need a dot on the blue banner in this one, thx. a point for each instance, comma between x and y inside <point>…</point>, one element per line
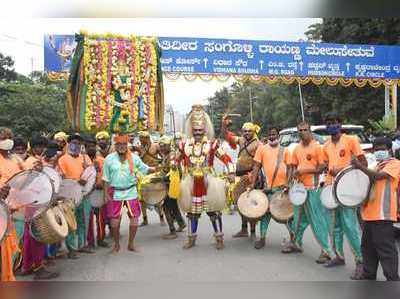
<point>252,57</point>
<point>58,52</point>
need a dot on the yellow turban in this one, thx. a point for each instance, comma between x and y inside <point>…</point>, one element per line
<point>250,126</point>
<point>61,135</point>
<point>144,134</point>
<point>165,140</point>
<point>102,135</point>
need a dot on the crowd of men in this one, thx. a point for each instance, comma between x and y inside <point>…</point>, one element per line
<point>264,165</point>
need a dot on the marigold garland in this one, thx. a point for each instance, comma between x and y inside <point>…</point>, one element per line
<point>103,57</point>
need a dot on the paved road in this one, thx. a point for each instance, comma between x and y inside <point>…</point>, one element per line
<point>165,260</point>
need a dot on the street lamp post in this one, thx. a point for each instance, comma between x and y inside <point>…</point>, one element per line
<point>251,104</point>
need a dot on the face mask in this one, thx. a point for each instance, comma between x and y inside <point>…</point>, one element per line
<point>6,144</point>
<point>333,129</point>
<point>381,155</point>
<point>273,142</point>
<point>74,149</point>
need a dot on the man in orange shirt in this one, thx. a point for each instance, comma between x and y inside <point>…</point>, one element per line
<point>8,167</point>
<point>72,164</point>
<point>98,161</point>
<point>338,152</point>
<point>275,161</point>
<point>379,212</point>
<point>306,161</point>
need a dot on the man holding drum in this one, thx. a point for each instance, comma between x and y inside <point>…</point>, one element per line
<point>171,172</point>
<point>96,212</point>
<point>379,212</point>
<point>306,161</point>
<point>248,144</point>
<point>149,153</point>
<point>275,161</point>
<point>120,176</point>
<point>8,168</point>
<point>338,152</point>
<point>71,165</point>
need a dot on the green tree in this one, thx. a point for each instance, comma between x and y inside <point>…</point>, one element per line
<point>28,108</point>
<point>7,72</point>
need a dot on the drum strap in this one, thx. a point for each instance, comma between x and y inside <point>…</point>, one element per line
<point>246,148</point>
<point>278,162</point>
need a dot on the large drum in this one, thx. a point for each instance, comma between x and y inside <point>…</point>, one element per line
<point>351,187</point>
<point>153,188</point>
<point>327,198</point>
<point>70,189</point>
<point>240,187</point>
<point>89,175</point>
<point>49,226</point>
<point>4,220</point>
<point>297,194</point>
<point>55,178</point>
<point>97,198</point>
<point>280,207</point>
<point>253,205</point>
<point>68,209</point>
<point>29,191</point>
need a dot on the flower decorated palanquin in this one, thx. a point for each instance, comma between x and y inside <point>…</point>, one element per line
<point>115,84</point>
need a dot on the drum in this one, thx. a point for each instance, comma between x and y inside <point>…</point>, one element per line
<point>4,220</point>
<point>280,207</point>
<point>297,194</point>
<point>216,193</point>
<point>154,190</point>
<point>97,199</point>
<point>29,190</point>
<point>68,210</point>
<point>49,226</point>
<point>327,198</point>
<point>70,189</point>
<point>240,187</point>
<point>351,187</point>
<point>185,198</point>
<point>55,178</point>
<point>89,175</point>
<point>253,205</point>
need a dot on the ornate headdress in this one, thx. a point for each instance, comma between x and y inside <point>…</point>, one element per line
<point>198,118</point>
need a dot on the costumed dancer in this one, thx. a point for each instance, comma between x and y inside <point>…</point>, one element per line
<point>149,153</point>
<point>71,165</point>
<point>61,138</point>
<point>198,153</point>
<point>275,162</point>
<point>379,212</point>
<point>338,151</point>
<point>120,175</point>
<point>307,160</point>
<point>248,144</point>
<point>170,170</point>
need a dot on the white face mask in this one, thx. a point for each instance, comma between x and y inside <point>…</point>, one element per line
<point>6,144</point>
<point>382,155</point>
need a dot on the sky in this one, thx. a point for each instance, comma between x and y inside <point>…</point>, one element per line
<point>22,39</point>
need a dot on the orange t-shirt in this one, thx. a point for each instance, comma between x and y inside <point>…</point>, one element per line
<point>308,157</point>
<point>339,155</point>
<point>382,204</point>
<point>8,168</point>
<point>99,178</point>
<point>72,168</point>
<point>268,156</point>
